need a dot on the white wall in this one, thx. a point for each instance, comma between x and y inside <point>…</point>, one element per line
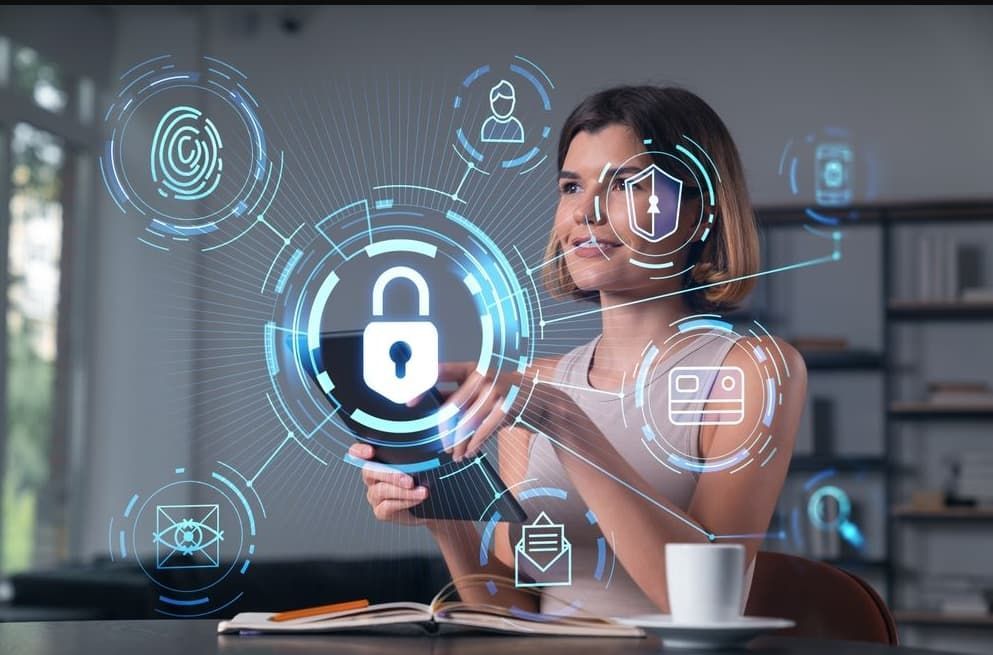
<point>142,329</point>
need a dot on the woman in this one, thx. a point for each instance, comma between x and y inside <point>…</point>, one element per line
<point>572,435</point>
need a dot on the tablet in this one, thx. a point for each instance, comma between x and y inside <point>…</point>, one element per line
<point>469,490</point>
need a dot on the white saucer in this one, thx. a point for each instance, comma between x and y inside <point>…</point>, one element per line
<point>706,635</point>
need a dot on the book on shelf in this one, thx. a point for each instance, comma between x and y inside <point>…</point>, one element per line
<point>960,393</point>
<point>965,604</point>
<point>947,268</point>
<point>978,295</point>
<point>441,616</point>
<point>975,477</point>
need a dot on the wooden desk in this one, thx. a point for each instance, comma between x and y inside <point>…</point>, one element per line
<point>178,637</point>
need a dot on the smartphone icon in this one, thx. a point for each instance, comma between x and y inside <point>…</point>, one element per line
<point>833,174</point>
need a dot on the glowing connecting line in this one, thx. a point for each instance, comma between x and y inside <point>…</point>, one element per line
<point>697,165</point>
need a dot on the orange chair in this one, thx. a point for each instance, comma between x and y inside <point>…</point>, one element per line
<point>824,601</point>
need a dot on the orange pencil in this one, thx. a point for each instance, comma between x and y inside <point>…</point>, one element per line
<point>321,609</point>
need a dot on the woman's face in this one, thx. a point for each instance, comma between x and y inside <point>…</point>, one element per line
<point>598,254</point>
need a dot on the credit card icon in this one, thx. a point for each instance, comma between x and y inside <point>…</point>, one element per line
<point>706,395</point>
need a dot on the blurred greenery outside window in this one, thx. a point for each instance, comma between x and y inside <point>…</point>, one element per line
<point>34,247</point>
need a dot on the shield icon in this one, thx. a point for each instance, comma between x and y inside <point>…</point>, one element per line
<point>660,218</point>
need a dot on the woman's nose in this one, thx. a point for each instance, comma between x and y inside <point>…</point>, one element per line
<point>585,210</point>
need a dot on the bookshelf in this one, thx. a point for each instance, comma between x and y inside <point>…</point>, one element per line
<point>908,513</point>
<point>925,410</point>
<point>849,360</point>
<point>941,619</point>
<point>939,311</point>
<point>896,312</point>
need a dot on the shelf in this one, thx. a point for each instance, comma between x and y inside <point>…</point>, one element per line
<point>944,514</point>
<point>845,360</point>
<point>932,212</point>
<point>807,463</point>
<point>945,212</point>
<point>796,216</point>
<point>925,410</point>
<point>909,617</point>
<point>939,309</point>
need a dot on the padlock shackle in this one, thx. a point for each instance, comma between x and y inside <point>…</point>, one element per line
<point>390,274</point>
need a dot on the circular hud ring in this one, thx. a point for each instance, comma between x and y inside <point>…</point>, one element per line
<point>663,184</point>
<point>544,551</point>
<point>193,539</point>
<point>187,152</point>
<point>503,116</point>
<point>709,396</point>
<point>317,343</point>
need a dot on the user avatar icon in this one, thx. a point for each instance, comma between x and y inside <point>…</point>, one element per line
<point>502,126</point>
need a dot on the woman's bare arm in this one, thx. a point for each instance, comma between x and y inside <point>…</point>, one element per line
<point>459,541</point>
<point>638,521</point>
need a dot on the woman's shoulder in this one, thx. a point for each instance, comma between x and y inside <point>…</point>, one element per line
<point>547,366</point>
<point>794,373</point>
<point>550,366</point>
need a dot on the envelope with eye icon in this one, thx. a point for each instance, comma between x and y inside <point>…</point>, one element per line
<point>543,556</point>
<point>187,536</point>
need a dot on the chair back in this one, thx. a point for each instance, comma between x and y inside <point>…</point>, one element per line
<point>824,601</point>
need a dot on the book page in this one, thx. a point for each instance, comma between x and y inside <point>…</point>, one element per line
<point>382,614</point>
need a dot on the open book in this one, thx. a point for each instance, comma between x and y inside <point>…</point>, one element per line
<point>440,616</point>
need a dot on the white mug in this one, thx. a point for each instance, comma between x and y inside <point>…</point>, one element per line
<point>705,582</point>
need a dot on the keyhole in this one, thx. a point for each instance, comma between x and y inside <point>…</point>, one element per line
<point>400,354</point>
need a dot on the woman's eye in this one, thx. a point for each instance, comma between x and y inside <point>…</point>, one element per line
<point>620,184</point>
<point>568,187</point>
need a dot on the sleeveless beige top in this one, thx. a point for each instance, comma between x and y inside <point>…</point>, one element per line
<point>613,592</point>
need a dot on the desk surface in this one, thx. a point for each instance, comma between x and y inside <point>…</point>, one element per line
<point>199,638</point>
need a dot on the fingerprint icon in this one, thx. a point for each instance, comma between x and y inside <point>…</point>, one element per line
<point>185,157</point>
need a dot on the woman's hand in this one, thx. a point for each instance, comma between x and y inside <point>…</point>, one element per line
<point>391,493</point>
<point>480,399</point>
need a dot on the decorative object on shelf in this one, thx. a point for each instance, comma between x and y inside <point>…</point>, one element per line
<point>969,270</point>
<point>927,500</point>
<point>953,473</point>
<point>975,481</point>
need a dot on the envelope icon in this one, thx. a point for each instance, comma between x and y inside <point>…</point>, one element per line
<point>187,536</point>
<point>543,556</point>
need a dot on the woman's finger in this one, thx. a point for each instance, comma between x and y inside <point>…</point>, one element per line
<point>454,371</point>
<point>486,428</point>
<point>379,473</point>
<point>474,416</point>
<point>388,509</point>
<point>361,451</point>
<point>382,491</point>
<point>462,396</point>
<point>466,391</point>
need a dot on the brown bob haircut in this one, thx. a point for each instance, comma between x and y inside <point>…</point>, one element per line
<point>664,115</point>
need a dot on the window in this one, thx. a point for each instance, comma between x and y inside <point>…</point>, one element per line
<point>45,147</point>
<point>34,249</point>
<point>39,79</point>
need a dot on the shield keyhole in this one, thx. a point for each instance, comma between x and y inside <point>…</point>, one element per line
<point>400,354</point>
